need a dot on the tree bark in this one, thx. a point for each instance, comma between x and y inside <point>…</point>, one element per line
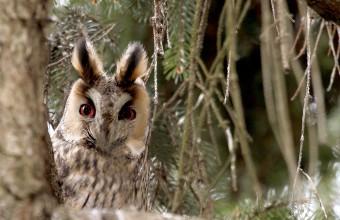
<point>24,191</point>
<point>328,9</point>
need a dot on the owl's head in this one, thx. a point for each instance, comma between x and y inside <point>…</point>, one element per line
<point>109,114</point>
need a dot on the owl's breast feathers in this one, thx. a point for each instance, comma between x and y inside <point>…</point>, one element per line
<point>88,179</point>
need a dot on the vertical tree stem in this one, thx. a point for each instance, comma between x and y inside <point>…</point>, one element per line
<point>237,102</point>
<point>266,51</point>
<point>283,34</point>
<point>187,134</point>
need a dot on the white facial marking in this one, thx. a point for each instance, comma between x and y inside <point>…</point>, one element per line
<point>94,94</point>
<point>136,146</point>
<point>120,215</point>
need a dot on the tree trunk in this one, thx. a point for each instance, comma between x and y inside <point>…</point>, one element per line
<point>328,9</point>
<point>23,132</point>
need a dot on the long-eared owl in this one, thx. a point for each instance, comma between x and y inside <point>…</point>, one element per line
<point>99,145</point>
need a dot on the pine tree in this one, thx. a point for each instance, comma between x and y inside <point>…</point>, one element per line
<point>206,146</point>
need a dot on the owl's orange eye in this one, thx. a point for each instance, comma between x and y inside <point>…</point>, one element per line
<point>87,110</point>
<point>127,113</point>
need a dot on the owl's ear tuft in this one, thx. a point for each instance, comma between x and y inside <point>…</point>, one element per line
<point>132,65</point>
<point>85,60</point>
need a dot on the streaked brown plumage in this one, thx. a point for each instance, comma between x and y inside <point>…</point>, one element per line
<point>99,145</point>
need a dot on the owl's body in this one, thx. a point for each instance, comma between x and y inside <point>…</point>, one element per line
<point>99,145</point>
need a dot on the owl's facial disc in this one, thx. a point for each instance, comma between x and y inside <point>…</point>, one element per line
<point>109,120</point>
<point>109,113</point>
